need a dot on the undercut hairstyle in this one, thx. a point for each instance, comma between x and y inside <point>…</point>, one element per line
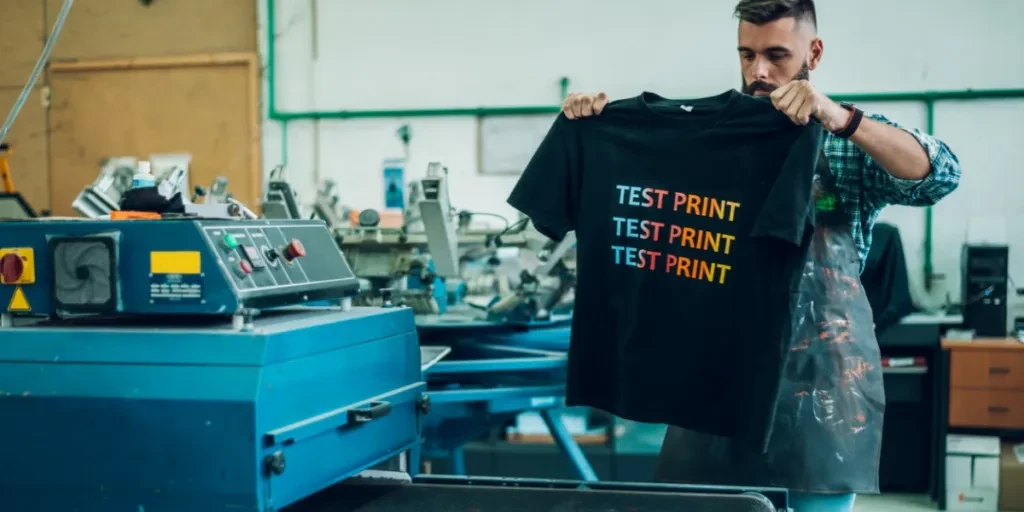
<point>760,12</point>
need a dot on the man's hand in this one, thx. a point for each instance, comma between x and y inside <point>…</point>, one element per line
<point>801,101</point>
<point>579,105</point>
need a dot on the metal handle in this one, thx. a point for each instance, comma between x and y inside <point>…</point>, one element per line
<point>998,370</point>
<point>998,409</point>
<point>374,411</point>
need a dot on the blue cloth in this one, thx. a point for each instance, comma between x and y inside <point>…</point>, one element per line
<point>800,502</point>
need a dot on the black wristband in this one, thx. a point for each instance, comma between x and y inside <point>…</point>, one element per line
<point>851,127</point>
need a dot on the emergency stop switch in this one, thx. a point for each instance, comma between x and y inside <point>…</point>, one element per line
<point>11,268</point>
<point>17,266</point>
<point>294,250</point>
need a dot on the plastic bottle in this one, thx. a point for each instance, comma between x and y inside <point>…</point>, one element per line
<point>143,176</point>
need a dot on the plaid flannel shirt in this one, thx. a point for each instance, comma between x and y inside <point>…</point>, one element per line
<point>865,187</point>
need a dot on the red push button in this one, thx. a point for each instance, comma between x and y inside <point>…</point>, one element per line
<point>294,249</point>
<point>11,268</point>
<point>245,268</point>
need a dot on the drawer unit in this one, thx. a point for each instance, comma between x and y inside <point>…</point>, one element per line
<point>986,408</point>
<point>987,369</point>
<point>986,384</point>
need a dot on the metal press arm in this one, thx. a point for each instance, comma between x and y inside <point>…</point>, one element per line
<point>435,212</point>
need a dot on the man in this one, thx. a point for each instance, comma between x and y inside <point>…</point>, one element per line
<point>826,440</point>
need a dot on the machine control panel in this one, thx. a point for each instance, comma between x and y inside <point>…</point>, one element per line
<point>279,257</point>
<point>169,266</point>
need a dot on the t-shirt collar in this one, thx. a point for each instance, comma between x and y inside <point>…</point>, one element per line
<point>698,114</point>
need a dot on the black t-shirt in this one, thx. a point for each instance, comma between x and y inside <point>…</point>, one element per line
<point>693,220</point>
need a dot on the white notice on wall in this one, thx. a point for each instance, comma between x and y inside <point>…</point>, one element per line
<point>506,143</point>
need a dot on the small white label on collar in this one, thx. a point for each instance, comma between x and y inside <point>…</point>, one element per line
<point>688,108</point>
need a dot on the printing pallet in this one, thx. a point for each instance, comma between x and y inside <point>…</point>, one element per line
<point>436,493</point>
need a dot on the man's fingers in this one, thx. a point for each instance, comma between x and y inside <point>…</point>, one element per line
<point>793,110</point>
<point>567,105</point>
<point>806,110</point>
<point>779,93</point>
<point>578,105</point>
<point>786,101</point>
<point>587,106</point>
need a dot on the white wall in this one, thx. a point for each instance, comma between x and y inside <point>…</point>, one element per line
<point>393,54</point>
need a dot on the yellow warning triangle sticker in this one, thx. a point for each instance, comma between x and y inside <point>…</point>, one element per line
<point>18,301</point>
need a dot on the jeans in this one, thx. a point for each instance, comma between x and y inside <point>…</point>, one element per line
<point>800,502</point>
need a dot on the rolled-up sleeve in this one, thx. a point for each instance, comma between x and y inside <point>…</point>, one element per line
<point>883,188</point>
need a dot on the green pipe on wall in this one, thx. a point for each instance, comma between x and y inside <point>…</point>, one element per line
<point>277,115</point>
<point>928,97</point>
<point>928,267</point>
<point>932,96</point>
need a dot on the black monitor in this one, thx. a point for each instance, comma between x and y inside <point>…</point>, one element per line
<point>14,206</point>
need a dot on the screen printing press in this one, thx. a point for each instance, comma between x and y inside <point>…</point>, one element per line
<point>176,365</point>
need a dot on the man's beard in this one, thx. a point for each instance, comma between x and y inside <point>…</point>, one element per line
<point>757,85</point>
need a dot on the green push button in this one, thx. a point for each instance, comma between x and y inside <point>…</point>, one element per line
<point>229,240</point>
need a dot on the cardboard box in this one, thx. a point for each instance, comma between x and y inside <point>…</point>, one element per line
<point>972,473</point>
<point>1011,480</point>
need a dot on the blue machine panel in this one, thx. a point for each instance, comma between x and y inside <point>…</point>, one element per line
<point>176,267</point>
<point>394,183</point>
<point>104,415</point>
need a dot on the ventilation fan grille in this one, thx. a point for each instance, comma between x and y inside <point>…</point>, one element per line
<point>84,274</point>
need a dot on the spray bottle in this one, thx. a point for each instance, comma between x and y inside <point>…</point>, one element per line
<point>143,176</point>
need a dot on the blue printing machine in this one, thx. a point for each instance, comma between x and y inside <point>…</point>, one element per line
<point>106,405</point>
<point>169,365</point>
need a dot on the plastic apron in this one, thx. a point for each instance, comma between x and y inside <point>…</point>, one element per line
<point>827,432</point>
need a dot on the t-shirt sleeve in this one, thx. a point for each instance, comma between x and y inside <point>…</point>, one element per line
<point>549,189</point>
<point>787,212</point>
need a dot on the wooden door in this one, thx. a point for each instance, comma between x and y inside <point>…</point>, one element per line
<point>22,33</point>
<point>109,29</point>
<point>205,105</point>
<point>27,138</point>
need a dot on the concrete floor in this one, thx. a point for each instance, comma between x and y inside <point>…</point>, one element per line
<point>894,503</point>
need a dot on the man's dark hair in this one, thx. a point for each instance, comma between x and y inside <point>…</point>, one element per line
<point>760,12</point>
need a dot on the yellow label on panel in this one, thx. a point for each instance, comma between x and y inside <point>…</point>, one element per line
<point>28,264</point>
<point>174,262</point>
<point>18,302</point>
